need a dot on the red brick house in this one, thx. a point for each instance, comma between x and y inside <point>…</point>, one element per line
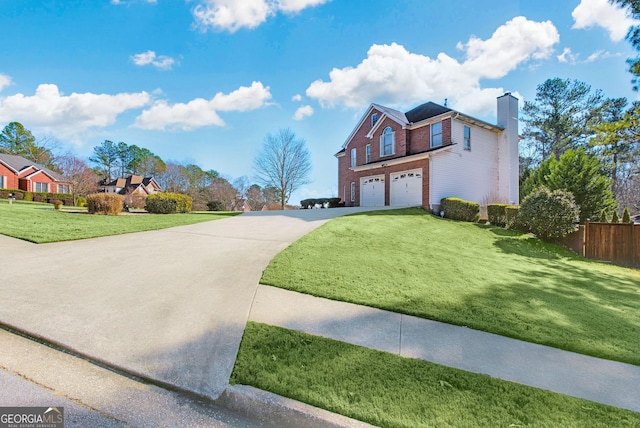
<point>18,173</point>
<point>431,152</point>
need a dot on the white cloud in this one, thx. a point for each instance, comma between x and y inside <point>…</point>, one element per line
<point>161,62</point>
<point>302,112</point>
<point>231,15</point>
<point>70,115</point>
<point>296,97</point>
<point>602,13</point>
<point>600,54</point>
<point>392,75</point>
<point>200,112</point>
<point>567,56</point>
<point>4,81</point>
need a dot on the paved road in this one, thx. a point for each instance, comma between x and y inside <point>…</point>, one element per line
<point>167,305</point>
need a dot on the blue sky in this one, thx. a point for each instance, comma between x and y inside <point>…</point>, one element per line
<point>205,80</point>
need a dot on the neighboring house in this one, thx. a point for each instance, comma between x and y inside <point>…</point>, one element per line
<point>18,173</point>
<point>131,185</point>
<point>429,153</point>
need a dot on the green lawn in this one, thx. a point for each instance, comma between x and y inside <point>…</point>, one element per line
<point>390,391</point>
<point>41,223</point>
<point>483,277</point>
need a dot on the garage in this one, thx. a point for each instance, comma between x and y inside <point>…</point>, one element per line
<point>406,188</point>
<point>372,191</point>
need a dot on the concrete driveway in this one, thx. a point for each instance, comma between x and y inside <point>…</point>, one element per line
<point>167,305</point>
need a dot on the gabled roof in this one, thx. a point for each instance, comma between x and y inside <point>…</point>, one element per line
<point>18,163</point>
<point>421,113</point>
<point>131,183</point>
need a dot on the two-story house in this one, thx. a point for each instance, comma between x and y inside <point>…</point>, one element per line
<point>429,153</point>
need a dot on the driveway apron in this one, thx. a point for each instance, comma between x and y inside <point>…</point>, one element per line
<point>169,305</point>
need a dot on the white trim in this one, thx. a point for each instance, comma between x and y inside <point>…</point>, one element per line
<point>404,159</point>
<point>393,142</point>
<point>353,160</point>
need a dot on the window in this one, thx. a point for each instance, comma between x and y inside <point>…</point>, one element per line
<point>41,187</point>
<point>344,193</point>
<point>63,188</point>
<point>436,134</point>
<point>367,152</point>
<point>353,191</point>
<point>353,158</point>
<point>374,119</point>
<point>467,138</point>
<point>2,182</point>
<point>387,142</point>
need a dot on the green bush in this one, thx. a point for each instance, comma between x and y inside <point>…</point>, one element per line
<point>105,203</point>
<point>168,203</point>
<point>497,214</point>
<point>82,202</point>
<point>511,216</point>
<point>614,217</point>
<point>549,214</point>
<point>215,206</point>
<point>57,203</point>
<point>459,209</point>
<point>604,217</point>
<point>626,215</point>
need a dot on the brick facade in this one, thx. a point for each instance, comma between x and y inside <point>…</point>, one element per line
<point>407,142</point>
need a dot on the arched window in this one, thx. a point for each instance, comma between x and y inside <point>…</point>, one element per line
<point>387,142</point>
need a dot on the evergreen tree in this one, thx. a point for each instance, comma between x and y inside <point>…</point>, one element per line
<point>581,174</point>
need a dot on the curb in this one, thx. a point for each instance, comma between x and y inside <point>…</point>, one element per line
<point>281,411</point>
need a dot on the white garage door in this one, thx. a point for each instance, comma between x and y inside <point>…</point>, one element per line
<point>372,191</point>
<point>406,188</point>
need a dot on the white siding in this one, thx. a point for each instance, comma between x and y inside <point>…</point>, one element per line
<point>467,174</point>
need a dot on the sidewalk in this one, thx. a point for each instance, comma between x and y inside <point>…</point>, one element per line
<point>603,381</point>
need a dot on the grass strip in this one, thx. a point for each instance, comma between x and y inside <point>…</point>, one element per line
<point>41,223</point>
<point>483,277</point>
<point>391,391</point>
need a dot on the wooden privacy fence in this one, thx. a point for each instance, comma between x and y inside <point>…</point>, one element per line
<point>615,242</point>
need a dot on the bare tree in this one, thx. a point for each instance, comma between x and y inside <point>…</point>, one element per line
<point>82,178</point>
<point>284,163</point>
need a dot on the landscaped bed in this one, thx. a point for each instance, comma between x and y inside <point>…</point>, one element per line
<point>391,391</point>
<point>483,277</point>
<point>41,223</point>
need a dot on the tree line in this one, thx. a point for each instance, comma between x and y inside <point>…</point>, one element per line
<point>281,167</point>
<point>576,139</point>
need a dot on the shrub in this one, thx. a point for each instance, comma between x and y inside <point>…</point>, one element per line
<point>497,214</point>
<point>459,209</point>
<point>57,204</point>
<point>215,206</point>
<point>136,201</point>
<point>626,215</point>
<point>38,197</point>
<point>549,214</point>
<point>104,203</point>
<point>82,202</point>
<point>511,217</point>
<point>614,217</point>
<point>168,203</point>
<point>603,217</point>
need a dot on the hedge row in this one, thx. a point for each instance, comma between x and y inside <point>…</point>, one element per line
<point>459,209</point>
<point>311,203</point>
<point>21,195</point>
<point>168,203</point>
